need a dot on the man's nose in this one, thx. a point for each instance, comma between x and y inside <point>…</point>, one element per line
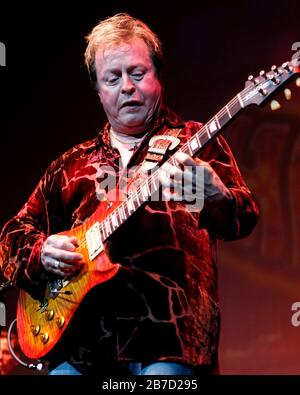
<point>127,85</point>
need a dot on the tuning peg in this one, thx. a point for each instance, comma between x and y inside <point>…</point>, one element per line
<point>280,70</point>
<point>274,79</point>
<point>298,82</point>
<point>274,68</point>
<point>272,76</point>
<point>275,105</point>
<point>288,94</point>
<point>262,73</point>
<point>253,80</point>
<point>287,66</point>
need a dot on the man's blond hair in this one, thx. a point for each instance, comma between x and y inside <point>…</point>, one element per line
<point>121,28</point>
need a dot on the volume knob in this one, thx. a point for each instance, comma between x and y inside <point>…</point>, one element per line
<point>35,329</point>
<point>50,315</point>
<point>60,322</point>
<point>44,337</point>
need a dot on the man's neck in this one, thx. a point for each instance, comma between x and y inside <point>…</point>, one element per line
<point>126,144</point>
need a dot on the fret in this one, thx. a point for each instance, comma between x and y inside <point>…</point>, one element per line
<point>118,218</point>
<point>207,134</point>
<point>240,100</point>
<point>110,224</point>
<point>198,139</point>
<point>121,214</point>
<point>212,127</point>
<point>141,192</point>
<point>203,138</point>
<point>173,160</point>
<point>145,191</point>
<point>227,108</point>
<point>126,210</point>
<point>103,231</point>
<point>114,220</point>
<point>224,118</point>
<point>138,199</point>
<point>217,121</point>
<point>195,143</point>
<point>130,204</point>
<point>189,147</point>
<point>123,211</point>
<point>235,107</point>
<point>134,202</point>
<point>107,227</point>
<point>123,206</point>
<point>110,220</point>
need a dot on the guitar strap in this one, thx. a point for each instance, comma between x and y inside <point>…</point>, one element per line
<point>159,147</point>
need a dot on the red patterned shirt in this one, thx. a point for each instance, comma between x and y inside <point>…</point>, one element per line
<point>163,303</point>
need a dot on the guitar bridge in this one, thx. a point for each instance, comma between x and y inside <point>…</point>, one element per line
<point>94,241</point>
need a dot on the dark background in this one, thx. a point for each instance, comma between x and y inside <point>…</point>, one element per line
<point>47,106</point>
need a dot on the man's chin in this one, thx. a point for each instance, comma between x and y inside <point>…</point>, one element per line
<point>132,126</point>
<point>133,120</point>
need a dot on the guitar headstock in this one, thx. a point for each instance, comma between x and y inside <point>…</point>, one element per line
<point>260,88</point>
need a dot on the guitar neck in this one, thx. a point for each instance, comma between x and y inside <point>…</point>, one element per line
<point>255,92</point>
<point>151,185</point>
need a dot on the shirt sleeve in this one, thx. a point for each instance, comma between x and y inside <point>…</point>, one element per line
<point>22,237</point>
<point>234,217</point>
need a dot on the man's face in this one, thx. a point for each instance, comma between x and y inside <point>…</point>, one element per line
<point>129,88</point>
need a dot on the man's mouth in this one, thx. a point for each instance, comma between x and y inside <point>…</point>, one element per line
<point>131,103</point>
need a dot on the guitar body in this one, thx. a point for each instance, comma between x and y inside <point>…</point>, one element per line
<point>41,324</point>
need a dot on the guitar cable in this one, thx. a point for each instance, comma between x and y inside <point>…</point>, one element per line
<point>34,366</point>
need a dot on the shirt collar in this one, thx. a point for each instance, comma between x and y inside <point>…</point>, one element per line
<point>167,117</point>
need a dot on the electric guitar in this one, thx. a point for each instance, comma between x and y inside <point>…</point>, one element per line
<point>41,323</point>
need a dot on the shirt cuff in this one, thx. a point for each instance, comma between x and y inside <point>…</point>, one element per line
<point>35,270</point>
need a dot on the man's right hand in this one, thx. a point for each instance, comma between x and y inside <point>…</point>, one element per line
<point>59,256</point>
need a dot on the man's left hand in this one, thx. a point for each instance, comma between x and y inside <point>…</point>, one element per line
<point>195,182</point>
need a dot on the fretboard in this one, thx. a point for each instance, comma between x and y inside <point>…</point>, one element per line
<point>256,92</point>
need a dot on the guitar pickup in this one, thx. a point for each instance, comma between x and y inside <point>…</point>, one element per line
<point>94,241</point>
